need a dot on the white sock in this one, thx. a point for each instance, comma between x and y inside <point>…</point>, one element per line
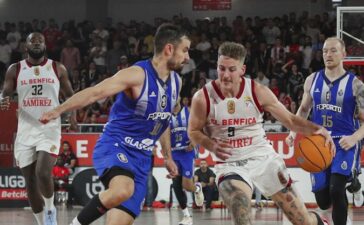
<point>198,188</point>
<point>49,202</point>
<point>39,217</point>
<point>75,221</point>
<point>185,212</point>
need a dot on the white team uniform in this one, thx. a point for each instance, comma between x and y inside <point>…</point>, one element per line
<point>238,121</point>
<point>38,90</point>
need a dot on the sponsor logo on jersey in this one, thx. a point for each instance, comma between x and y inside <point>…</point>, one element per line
<point>36,71</point>
<point>164,101</point>
<point>344,165</point>
<point>241,142</point>
<point>328,96</point>
<point>317,90</point>
<point>122,158</point>
<point>341,92</point>
<point>238,121</point>
<point>152,94</point>
<point>159,116</point>
<point>329,107</point>
<point>248,101</point>
<point>37,102</point>
<point>145,144</point>
<point>231,106</point>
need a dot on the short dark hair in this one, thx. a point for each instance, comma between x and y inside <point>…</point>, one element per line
<point>167,33</point>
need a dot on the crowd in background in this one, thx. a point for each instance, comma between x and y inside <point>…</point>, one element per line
<point>281,52</point>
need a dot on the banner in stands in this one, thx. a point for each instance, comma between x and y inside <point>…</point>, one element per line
<point>82,145</point>
<point>211,4</point>
<point>9,123</point>
<point>12,189</point>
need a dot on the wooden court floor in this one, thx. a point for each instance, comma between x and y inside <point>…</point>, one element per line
<point>266,216</point>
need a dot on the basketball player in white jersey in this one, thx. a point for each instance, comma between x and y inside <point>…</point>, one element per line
<point>226,118</point>
<point>38,81</point>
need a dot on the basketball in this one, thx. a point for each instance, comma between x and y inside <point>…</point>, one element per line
<point>312,155</point>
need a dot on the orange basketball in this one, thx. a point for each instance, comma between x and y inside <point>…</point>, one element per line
<point>312,155</point>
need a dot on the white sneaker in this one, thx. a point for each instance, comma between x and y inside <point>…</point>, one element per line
<point>199,198</point>
<point>358,198</point>
<point>50,217</point>
<point>348,221</point>
<point>187,220</point>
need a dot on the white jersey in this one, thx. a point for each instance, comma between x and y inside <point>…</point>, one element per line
<point>38,90</point>
<point>237,121</point>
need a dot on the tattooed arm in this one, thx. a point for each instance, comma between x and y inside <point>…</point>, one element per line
<point>347,142</point>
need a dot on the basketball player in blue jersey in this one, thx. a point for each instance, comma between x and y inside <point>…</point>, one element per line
<point>337,101</point>
<point>147,93</point>
<point>183,154</point>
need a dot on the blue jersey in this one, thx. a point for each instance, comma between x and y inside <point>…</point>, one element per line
<point>179,137</point>
<point>139,123</point>
<point>334,104</point>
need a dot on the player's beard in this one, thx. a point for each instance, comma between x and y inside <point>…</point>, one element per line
<point>36,54</point>
<point>174,65</point>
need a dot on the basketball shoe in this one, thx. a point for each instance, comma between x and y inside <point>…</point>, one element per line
<point>187,220</point>
<point>50,217</point>
<point>199,198</point>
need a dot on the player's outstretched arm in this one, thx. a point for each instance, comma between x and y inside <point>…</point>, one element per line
<point>305,107</point>
<point>270,103</point>
<point>196,123</point>
<point>124,79</point>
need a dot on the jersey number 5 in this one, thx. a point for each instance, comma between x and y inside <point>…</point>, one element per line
<point>37,89</point>
<point>231,131</point>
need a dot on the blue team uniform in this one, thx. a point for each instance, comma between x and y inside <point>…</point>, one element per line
<point>132,130</point>
<point>180,142</point>
<point>334,107</point>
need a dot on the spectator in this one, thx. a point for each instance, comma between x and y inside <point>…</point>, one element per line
<point>206,177</point>
<point>271,32</point>
<point>13,37</point>
<point>69,158</point>
<point>113,58</point>
<point>70,57</point>
<point>262,79</point>
<point>61,175</point>
<point>295,78</point>
<point>317,63</point>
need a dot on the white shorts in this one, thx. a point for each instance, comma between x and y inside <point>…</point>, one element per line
<point>268,173</point>
<point>26,154</point>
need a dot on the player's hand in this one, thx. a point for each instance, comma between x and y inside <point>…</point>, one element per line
<point>171,167</point>
<point>190,147</point>
<point>290,139</point>
<point>222,149</point>
<point>328,139</point>
<point>5,103</point>
<point>347,142</point>
<point>48,116</point>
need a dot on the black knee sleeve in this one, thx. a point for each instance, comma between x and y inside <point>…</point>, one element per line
<point>323,198</point>
<point>338,198</point>
<point>180,194</point>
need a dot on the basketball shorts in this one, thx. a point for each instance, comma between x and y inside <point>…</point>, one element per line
<point>343,163</point>
<point>108,154</point>
<point>266,172</point>
<point>26,154</point>
<point>185,162</point>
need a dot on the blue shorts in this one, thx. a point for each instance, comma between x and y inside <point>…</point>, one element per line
<point>109,154</point>
<point>343,163</point>
<point>184,161</point>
